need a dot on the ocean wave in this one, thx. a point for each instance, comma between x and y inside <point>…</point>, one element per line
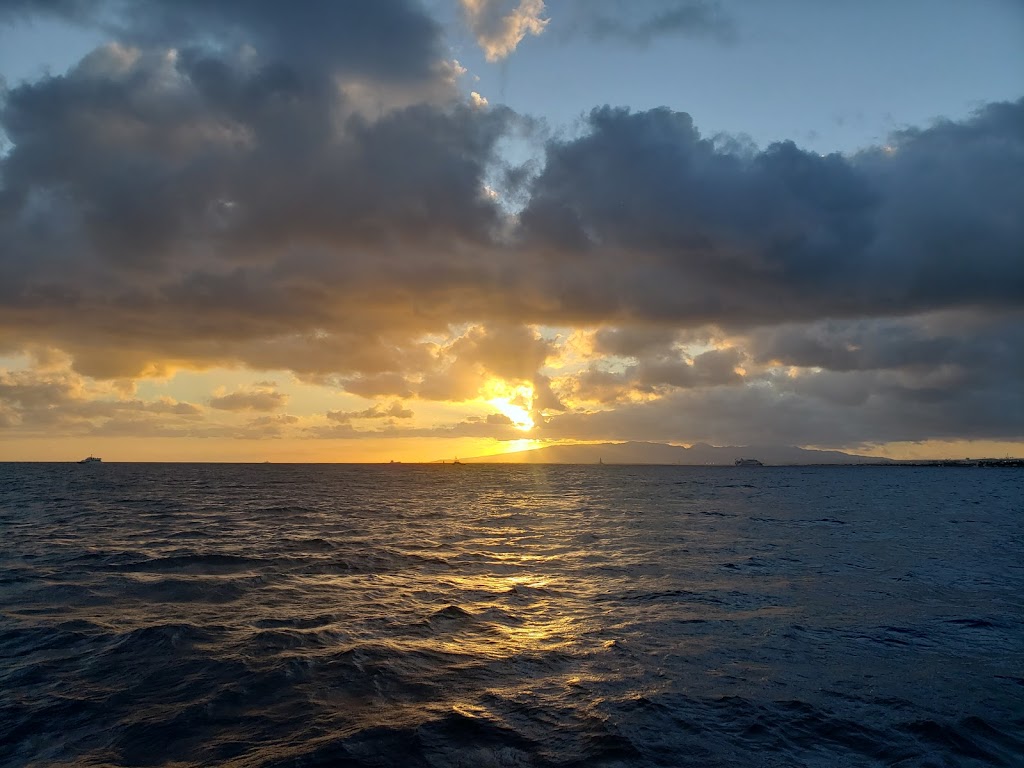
<point>197,615</point>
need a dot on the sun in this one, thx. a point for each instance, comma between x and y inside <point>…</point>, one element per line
<point>511,400</point>
<point>520,417</point>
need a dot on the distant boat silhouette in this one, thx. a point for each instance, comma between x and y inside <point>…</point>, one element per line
<point>748,463</point>
<point>90,460</point>
<point>456,461</point>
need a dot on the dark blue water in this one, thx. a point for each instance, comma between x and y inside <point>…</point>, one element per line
<point>475,615</point>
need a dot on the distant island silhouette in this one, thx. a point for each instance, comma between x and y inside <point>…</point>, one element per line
<point>700,454</point>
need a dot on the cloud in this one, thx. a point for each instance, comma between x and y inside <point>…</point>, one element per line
<point>823,409</point>
<point>654,223</point>
<point>657,374</point>
<point>500,25</point>
<point>498,428</point>
<point>714,368</point>
<point>968,340</point>
<point>634,341</point>
<point>378,411</point>
<point>81,11</point>
<point>544,397</point>
<point>458,369</point>
<point>951,376</point>
<point>513,353</point>
<point>155,215</point>
<point>140,227</point>
<point>640,23</point>
<point>379,385</point>
<point>257,398</point>
<point>216,188</point>
<point>264,427</point>
<point>56,402</point>
<point>386,40</point>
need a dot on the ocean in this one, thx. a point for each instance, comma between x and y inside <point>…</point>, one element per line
<point>488,615</point>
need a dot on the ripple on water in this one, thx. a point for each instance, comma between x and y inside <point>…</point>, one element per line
<point>509,616</point>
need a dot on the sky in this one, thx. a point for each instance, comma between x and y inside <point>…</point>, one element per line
<point>248,230</point>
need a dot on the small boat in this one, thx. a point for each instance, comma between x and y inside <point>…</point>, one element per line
<point>90,460</point>
<point>456,461</point>
<point>748,463</point>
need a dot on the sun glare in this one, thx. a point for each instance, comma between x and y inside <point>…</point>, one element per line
<point>523,444</point>
<point>511,400</point>
<point>520,416</point>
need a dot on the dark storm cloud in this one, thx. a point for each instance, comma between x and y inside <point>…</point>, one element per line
<point>959,374</point>
<point>952,375</point>
<point>969,341</point>
<point>634,342</point>
<point>716,367</point>
<point>73,10</point>
<point>210,205</point>
<point>196,207</point>
<point>660,373</point>
<point>389,39</point>
<point>140,154</point>
<point>828,409</point>
<point>658,223</point>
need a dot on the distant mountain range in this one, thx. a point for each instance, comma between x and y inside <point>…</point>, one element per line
<point>662,453</point>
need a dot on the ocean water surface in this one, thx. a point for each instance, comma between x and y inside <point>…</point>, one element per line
<point>487,615</point>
